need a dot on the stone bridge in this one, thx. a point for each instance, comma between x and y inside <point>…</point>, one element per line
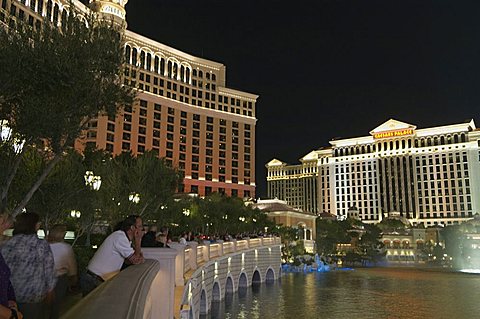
<point>181,282</point>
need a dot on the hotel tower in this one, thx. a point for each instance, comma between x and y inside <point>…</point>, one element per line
<point>429,176</point>
<point>184,110</point>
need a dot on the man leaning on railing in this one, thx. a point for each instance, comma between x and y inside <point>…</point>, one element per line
<point>113,253</point>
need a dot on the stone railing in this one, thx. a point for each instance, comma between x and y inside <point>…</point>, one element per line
<point>148,290</point>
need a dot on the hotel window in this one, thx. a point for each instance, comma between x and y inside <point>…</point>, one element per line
<point>170,128</point>
<point>125,146</point>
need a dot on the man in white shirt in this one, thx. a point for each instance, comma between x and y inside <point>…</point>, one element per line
<point>114,251</point>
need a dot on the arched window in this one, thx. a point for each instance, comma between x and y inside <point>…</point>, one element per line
<point>442,140</point>
<point>455,138</point>
<point>169,69</point>
<point>200,74</point>
<point>162,66</point>
<point>142,59</point>
<point>194,72</point>
<point>429,141</point>
<point>391,145</point>
<point>56,12</point>
<point>134,56</point>
<point>397,145</point>
<point>175,70</point>
<point>380,147</point>
<point>187,75</point>
<point>64,17</point>
<point>182,73</point>
<point>128,53</point>
<point>149,62</point>
<point>49,9</point>
<point>214,77</point>
<point>463,138</point>
<point>435,141</point>
<point>156,64</point>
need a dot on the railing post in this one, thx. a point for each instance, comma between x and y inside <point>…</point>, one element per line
<point>164,287</point>
<point>179,263</point>
<point>206,252</point>
<point>220,247</point>
<point>193,254</point>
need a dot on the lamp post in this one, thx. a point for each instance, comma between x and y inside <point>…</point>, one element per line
<point>7,136</point>
<point>93,182</point>
<point>75,213</point>
<point>134,197</point>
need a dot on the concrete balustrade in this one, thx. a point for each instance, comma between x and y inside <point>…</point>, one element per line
<point>181,281</point>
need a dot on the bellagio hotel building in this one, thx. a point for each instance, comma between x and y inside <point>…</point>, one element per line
<point>184,111</point>
<point>429,176</point>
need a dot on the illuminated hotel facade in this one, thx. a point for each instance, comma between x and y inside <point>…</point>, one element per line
<point>184,111</point>
<point>429,176</point>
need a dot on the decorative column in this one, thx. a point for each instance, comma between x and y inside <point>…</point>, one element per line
<point>163,290</point>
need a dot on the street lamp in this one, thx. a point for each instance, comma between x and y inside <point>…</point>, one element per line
<point>134,197</point>
<point>6,136</point>
<point>75,213</point>
<point>93,181</point>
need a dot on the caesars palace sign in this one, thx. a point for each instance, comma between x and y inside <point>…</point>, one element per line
<point>395,133</point>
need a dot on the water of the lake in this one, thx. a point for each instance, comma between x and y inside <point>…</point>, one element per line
<point>361,293</point>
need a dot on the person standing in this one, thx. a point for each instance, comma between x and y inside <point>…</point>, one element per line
<point>30,260</point>
<point>65,266</point>
<point>8,304</point>
<point>114,251</point>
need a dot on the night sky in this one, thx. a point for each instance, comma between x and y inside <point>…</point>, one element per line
<point>333,68</point>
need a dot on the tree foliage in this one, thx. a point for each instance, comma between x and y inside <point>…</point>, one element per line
<point>53,81</point>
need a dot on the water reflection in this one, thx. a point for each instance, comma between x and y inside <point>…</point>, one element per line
<point>365,293</point>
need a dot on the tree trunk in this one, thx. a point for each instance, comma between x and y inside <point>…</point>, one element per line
<point>37,184</point>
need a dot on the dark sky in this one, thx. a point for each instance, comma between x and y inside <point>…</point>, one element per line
<point>332,68</point>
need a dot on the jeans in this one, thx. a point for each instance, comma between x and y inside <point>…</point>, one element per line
<point>88,282</point>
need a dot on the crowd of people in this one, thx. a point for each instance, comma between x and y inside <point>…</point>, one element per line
<point>36,274</point>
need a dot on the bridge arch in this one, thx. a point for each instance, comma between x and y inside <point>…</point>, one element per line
<point>216,291</point>
<point>270,275</point>
<point>242,280</point>
<point>229,285</point>
<point>203,302</point>
<point>256,277</point>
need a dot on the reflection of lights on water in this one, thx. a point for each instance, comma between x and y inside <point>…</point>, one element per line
<point>470,270</point>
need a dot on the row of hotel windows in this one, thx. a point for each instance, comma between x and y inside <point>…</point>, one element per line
<point>195,189</point>
<point>170,67</point>
<point>190,96</point>
<point>401,144</point>
<point>182,147</point>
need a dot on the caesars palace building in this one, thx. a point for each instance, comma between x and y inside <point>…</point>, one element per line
<point>429,176</point>
<point>184,111</point>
